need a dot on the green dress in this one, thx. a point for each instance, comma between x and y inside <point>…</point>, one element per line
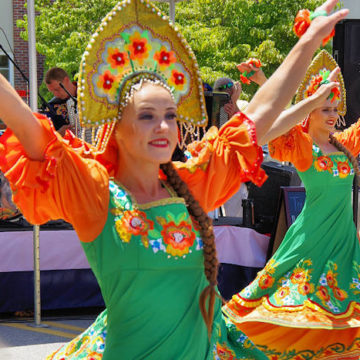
<point>152,286</point>
<point>148,258</point>
<point>312,283</point>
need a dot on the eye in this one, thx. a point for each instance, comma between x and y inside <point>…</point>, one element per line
<point>171,116</point>
<point>146,116</point>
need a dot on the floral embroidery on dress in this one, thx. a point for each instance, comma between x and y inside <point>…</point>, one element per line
<point>134,222</point>
<point>355,285</point>
<point>343,169</point>
<point>295,284</point>
<point>222,352</point>
<point>169,234</point>
<point>265,279</point>
<point>177,234</point>
<point>323,163</point>
<point>336,166</point>
<point>328,290</point>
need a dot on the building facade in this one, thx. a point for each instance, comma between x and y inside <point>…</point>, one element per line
<point>14,47</point>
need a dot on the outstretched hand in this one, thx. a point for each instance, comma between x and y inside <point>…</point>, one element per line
<point>258,77</point>
<point>323,92</point>
<point>322,26</point>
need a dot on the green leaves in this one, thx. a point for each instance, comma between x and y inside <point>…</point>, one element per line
<point>222,33</point>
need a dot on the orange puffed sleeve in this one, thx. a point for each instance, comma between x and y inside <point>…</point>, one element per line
<point>64,185</point>
<point>295,146</point>
<point>221,161</point>
<point>351,138</point>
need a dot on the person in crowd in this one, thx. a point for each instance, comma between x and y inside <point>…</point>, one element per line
<point>234,88</point>
<point>141,218</point>
<point>306,299</point>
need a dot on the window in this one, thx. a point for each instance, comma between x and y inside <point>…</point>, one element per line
<point>6,68</point>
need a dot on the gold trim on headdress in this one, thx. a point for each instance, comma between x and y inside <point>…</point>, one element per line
<point>321,63</point>
<point>136,38</point>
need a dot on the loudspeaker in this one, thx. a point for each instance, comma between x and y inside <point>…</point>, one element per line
<point>266,198</point>
<point>346,51</point>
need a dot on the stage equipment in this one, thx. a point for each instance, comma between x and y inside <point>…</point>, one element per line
<point>266,198</point>
<point>346,51</point>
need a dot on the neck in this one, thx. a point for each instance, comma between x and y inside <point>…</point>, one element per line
<point>144,184</point>
<point>320,137</point>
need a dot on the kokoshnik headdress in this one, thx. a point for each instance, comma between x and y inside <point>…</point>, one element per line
<point>135,42</point>
<point>317,74</point>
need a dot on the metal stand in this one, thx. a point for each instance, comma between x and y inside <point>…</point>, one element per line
<point>33,105</point>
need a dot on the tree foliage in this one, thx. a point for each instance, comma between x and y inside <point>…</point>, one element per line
<point>222,33</point>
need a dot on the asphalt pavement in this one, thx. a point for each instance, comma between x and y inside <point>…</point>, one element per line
<point>21,340</point>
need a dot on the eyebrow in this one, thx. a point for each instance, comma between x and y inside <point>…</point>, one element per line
<point>153,108</point>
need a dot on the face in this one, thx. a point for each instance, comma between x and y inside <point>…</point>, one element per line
<point>55,88</point>
<point>147,131</point>
<point>324,118</point>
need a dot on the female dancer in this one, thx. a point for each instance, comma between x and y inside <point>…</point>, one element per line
<point>305,303</point>
<point>144,234</point>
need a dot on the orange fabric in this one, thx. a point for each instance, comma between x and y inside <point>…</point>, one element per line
<point>326,344</point>
<point>43,190</point>
<point>351,138</point>
<point>221,161</point>
<point>295,146</point>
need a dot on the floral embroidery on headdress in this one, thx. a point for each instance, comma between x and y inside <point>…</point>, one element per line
<point>316,75</point>
<point>135,41</point>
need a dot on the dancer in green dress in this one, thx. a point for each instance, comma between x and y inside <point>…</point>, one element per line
<point>305,303</point>
<point>146,236</point>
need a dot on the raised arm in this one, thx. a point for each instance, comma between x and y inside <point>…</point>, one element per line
<point>275,94</point>
<point>19,118</point>
<point>295,114</point>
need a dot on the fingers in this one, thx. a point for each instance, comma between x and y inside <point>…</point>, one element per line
<point>333,75</point>
<point>244,67</point>
<point>324,91</point>
<point>338,16</point>
<point>328,6</point>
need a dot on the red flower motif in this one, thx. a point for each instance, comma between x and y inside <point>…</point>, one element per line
<point>323,163</point>
<point>179,238</point>
<point>224,352</point>
<point>344,169</point>
<point>306,288</point>
<point>177,79</point>
<point>254,62</point>
<point>335,94</point>
<point>331,279</point>
<point>138,47</point>
<point>314,85</point>
<point>107,80</point>
<point>339,293</point>
<point>245,80</point>
<point>164,58</point>
<point>323,293</point>
<point>134,222</point>
<point>117,58</point>
<point>266,281</point>
<point>302,22</point>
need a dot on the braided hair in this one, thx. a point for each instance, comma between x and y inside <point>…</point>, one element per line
<point>346,151</point>
<point>208,238</point>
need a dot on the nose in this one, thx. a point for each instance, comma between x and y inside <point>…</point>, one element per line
<point>162,125</point>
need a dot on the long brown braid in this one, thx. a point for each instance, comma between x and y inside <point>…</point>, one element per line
<point>347,152</point>
<point>208,238</point>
